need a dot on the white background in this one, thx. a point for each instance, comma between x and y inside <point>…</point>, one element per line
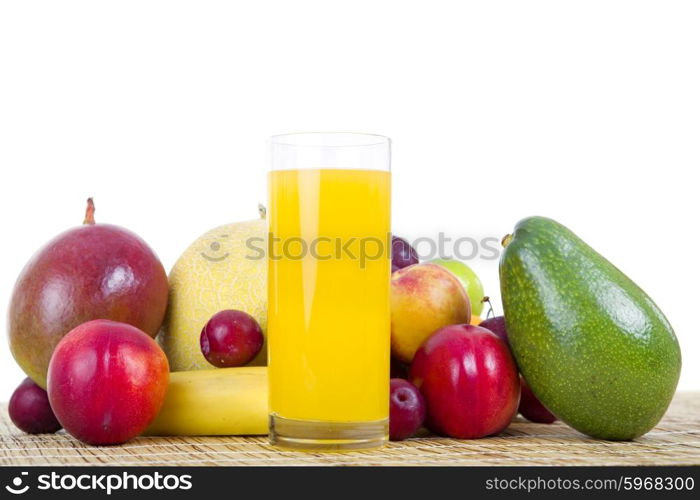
<point>587,112</point>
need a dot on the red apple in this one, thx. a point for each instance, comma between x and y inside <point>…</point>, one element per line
<point>406,409</point>
<point>531,408</point>
<point>107,381</point>
<point>469,380</point>
<point>30,410</point>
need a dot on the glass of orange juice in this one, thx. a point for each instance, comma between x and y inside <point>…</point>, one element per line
<point>329,267</point>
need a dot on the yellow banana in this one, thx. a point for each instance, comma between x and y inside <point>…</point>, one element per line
<point>219,402</point>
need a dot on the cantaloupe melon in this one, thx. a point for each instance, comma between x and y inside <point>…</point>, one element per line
<point>225,268</point>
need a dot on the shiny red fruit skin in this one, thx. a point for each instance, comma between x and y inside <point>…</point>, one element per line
<point>469,380</point>
<point>531,408</point>
<point>107,381</point>
<point>30,410</point>
<point>497,325</point>
<point>231,338</point>
<point>88,272</point>
<point>406,409</point>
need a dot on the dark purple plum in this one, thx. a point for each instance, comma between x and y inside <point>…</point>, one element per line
<point>406,409</point>
<point>497,325</point>
<point>402,254</point>
<point>231,338</point>
<point>30,410</point>
<point>531,408</point>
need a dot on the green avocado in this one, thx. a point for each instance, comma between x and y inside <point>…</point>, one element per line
<point>596,350</point>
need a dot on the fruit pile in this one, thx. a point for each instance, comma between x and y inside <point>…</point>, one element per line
<point>578,341</point>
<point>461,379</point>
<point>82,321</point>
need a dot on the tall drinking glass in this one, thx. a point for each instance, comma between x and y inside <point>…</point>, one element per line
<point>328,290</point>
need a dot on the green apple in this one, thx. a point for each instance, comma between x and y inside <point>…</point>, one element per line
<point>470,281</point>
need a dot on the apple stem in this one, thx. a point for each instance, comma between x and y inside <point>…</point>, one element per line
<point>506,240</point>
<point>89,212</point>
<point>262,211</point>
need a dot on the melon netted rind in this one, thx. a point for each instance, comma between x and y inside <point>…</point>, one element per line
<point>224,268</point>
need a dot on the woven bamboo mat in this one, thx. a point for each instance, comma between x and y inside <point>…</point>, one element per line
<point>675,441</point>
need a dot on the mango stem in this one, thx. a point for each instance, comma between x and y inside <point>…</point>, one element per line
<point>506,240</point>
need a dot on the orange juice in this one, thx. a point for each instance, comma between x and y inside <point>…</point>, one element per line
<point>328,294</point>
